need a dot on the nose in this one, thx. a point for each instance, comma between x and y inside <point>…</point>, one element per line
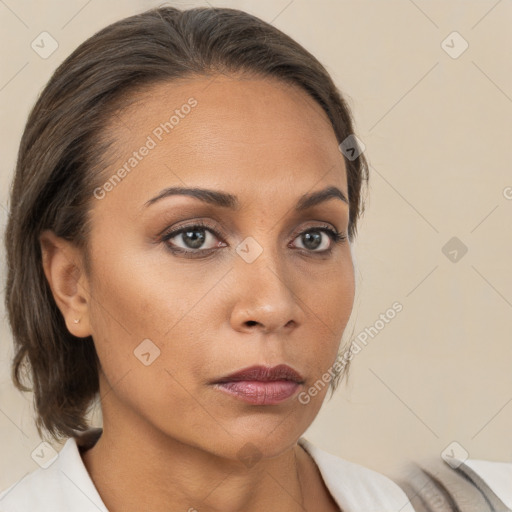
<point>267,297</point>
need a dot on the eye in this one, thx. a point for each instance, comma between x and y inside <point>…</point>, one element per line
<point>196,237</point>
<point>320,239</point>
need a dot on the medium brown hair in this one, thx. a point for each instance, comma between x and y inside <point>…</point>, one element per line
<point>60,161</point>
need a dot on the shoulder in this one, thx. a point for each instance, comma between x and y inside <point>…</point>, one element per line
<point>452,484</point>
<point>356,487</point>
<point>62,485</point>
<point>492,479</point>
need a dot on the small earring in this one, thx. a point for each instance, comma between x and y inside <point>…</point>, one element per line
<point>76,320</point>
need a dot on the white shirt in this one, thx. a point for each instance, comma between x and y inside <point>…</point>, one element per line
<point>65,486</point>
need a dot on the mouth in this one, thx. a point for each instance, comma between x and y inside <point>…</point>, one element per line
<point>262,385</point>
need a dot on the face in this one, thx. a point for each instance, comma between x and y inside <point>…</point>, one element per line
<point>185,291</point>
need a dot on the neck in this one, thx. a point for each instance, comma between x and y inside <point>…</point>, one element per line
<point>136,470</point>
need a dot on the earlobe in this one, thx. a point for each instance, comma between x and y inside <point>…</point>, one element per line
<point>62,268</point>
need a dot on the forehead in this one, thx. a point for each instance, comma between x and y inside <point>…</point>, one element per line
<point>223,131</point>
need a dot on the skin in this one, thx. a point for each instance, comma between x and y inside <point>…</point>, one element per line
<point>171,441</point>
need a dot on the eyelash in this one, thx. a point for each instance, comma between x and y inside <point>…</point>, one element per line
<point>335,236</point>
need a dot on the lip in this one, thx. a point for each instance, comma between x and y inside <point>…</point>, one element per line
<point>264,374</point>
<point>262,385</point>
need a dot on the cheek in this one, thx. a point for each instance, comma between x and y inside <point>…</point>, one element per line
<point>136,291</point>
<point>329,298</point>
<point>330,309</point>
<point>143,329</point>
<point>144,310</point>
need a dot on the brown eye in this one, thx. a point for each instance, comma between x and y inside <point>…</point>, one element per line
<point>324,238</point>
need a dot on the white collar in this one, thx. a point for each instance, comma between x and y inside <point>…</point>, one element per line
<point>64,485</point>
<point>356,488</point>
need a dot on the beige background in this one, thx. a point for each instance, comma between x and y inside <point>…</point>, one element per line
<point>437,131</point>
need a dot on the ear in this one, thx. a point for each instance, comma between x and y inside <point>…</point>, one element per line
<point>64,272</point>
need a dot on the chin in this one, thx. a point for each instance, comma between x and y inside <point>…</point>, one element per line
<point>263,437</point>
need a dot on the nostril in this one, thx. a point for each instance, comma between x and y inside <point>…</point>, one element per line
<point>251,322</point>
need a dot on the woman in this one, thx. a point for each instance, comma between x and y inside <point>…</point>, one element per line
<point>187,190</point>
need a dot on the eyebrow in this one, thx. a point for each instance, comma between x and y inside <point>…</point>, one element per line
<point>231,201</point>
